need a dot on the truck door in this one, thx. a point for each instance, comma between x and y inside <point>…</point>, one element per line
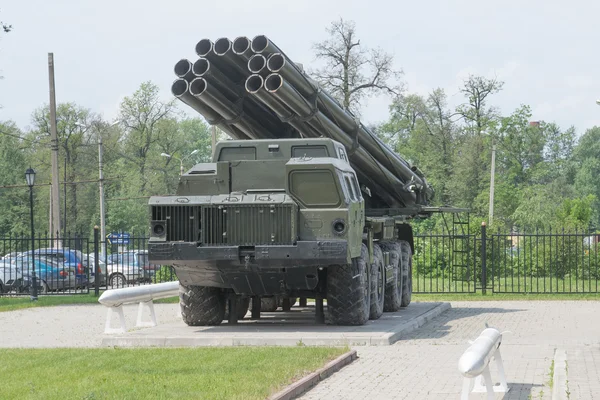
<point>355,215</point>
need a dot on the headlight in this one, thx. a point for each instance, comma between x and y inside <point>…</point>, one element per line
<point>158,230</point>
<point>339,226</point>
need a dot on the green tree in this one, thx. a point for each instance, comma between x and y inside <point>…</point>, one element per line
<point>422,131</point>
<point>14,202</point>
<point>471,170</point>
<point>140,114</point>
<point>586,164</point>
<point>75,162</point>
<point>520,146</point>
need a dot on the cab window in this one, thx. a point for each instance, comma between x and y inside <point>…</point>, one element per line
<point>237,153</point>
<point>309,151</point>
<point>356,187</point>
<point>314,188</point>
<point>353,196</point>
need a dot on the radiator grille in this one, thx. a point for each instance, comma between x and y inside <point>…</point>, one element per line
<point>248,225</point>
<point>183,222</point>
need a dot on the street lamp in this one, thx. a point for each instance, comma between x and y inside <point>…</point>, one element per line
<point>179,159</point>
<point>30,178</point>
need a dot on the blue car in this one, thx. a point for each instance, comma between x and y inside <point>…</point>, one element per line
<point>50,275</point>
<point>68,257</point>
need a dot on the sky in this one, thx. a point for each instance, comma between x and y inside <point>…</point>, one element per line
<point>546,52</point>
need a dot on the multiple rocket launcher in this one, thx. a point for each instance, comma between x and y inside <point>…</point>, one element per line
<point>251,90</point>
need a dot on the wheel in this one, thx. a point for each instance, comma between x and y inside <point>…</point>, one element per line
<point>394,288</point>
<point>117,280</point>
<point>377,283</point>
<point>242,308</point>
<point>406,262</point>
<point>202,305</point>
<point>348,291</point>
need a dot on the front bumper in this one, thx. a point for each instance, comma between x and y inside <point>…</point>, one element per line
<point>303,254</point>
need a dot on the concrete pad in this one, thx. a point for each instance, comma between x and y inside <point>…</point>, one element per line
<point>293,328</point>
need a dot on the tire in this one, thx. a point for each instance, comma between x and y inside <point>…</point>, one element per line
<point>242,308</point>
<point>201,305</point>
<point>406,262</point>
<point>395,288</point>
<point>348,291</point>
<point>377,283</point>
<point>117,280</point>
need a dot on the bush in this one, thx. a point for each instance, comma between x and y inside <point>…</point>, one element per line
<point>166,273</point>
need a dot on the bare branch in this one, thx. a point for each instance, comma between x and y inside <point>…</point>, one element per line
<point>352,72</point>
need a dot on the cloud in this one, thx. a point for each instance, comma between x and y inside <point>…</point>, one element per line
<point>581,81</point>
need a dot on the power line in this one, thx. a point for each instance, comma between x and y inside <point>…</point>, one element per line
<point>18,137</point>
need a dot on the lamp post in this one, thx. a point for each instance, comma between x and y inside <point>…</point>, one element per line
<point>179,159</point>
<point>30,178</point>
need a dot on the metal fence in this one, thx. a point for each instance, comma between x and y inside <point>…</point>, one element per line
<point>539,262</point>
<point>67,264</point>
<point>450,262</point>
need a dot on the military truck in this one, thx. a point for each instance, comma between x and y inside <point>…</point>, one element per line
<point>303,201</point>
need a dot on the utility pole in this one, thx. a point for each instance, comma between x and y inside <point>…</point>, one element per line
<point>101,187</point>
<point>214,138</point>
<point>491,217</point>
<point>55,215</point>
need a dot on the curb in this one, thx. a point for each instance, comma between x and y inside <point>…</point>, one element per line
<point>305,384</point>
<point>415,324</point>
<point>559,377</point>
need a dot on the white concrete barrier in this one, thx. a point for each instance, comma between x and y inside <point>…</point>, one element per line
<point>474,365</point>
<point>144,295</point>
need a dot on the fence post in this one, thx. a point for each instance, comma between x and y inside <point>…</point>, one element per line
<point>483,258</point>
<point>97,273</point>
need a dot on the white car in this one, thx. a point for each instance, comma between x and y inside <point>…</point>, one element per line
<point>10,275</point>
<point>123,270</point>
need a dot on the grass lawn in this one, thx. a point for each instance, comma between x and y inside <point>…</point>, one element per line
<point>17,303</point>
<point>570,284</point>
<point>503,296</point>
<point>197,373</point>
<point>11,303</point>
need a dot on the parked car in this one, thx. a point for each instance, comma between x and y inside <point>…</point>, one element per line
<point>70,258</point>
<point>89,260</point>
<point>50,274</point>
<point>11,255</point>
<point>129,267</point>
<point>10,277</point>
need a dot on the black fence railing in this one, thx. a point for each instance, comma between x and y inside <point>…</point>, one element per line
<point>549,262</point>
<point>67,265</point>
<point>541,262</point>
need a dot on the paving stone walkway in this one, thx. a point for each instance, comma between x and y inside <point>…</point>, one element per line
<point>423,364</point>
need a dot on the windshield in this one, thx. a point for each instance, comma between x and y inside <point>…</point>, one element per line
<point>314,188</point>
